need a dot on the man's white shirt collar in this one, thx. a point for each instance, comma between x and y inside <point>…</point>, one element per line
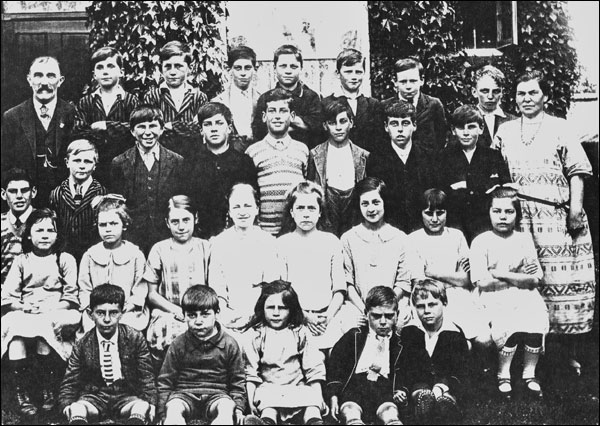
<point>84,186</point>
<point>50,105</point>
<point>12,218</point>
<point>119,91</point>
<point>403,153</point>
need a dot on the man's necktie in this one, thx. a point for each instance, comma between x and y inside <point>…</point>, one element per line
<point>44,112</point>
<point>78,195</point>
<point>106,363</point>
<point>18,223</point>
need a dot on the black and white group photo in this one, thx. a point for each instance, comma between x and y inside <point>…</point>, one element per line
<point>304,212</point>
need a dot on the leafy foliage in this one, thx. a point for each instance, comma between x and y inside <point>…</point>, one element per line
<point>427,30</point>
<point>431,31</point>
<point>139,29</point>
<point>544,44</point>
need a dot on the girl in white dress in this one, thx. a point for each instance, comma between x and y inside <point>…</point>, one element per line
<point>312,261</point>
<point>284,367</point>
<point>241,257</point>
<point>505,267</point>
<point>441,253</point>
<point>115,261</point>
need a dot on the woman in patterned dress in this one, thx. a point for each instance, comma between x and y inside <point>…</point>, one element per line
<point>550,165</point>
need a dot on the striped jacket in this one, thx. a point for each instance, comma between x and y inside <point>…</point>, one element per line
<point>76,222</point>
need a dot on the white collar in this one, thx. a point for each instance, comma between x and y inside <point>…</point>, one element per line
<point>236,90</point>
<point>50,105</point>
<point>12,218</point>
<point>84,186</point>
<point>447,325</point>
<point>275,143</point>
<point>498,112</point>
<point>119,91</point>
<point>340,92</point>
<point>114,339</point>
<point>184,87</point>
<point>155,151</point>
<point>415,100</point>
<point>403,153</point>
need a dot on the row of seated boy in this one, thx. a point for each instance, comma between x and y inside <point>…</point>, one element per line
<point>203,374</point>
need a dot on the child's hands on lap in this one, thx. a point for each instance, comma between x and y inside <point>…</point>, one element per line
<point>98,125</point>
<point>335,407</point>
<point>400,397</point>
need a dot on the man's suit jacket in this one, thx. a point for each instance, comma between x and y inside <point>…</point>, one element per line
<point>84,375</point>
<point>18,143</point>
<point>431,122</point>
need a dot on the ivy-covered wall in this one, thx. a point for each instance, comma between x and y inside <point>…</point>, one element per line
<point>139,29</point>
<point>431,31</point>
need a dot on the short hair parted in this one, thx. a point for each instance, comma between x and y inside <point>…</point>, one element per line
<point>181,202</point>
<point>145,112</point>
<point>401,109</point>
<point>332,108</point>
<point>466,114</point>
<point>108,203</point>
<point>175,48</point>
<point>288,49</point>
<point>507,192</point>
<point>423,288</point>
<point>279,94</point>
<point>199,298</point>
<point>408,64</point>
<point>104,53</point>
<point>433,199</point>
<point>82,145</point>
<point>107,293</point>
<point>535,75</point>
<point>237,187</point>
<point>381,296</point>
<point>349,57</point>
<point>241,52</point>
<point>289,297</point>
<point>305,187</point>
<point>211,109</point>
<point>45,60</point>
<point>490,71</point>
<point>15,174</point>
<point>36,216</point>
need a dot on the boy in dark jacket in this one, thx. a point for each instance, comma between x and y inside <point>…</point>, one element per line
<point>365,372</point>
<point>203,373</point>
<point>110,370</point>
<point>437,348</point>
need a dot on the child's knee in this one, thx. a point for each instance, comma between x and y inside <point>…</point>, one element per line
<point>176,407</point>
<point>350,411</point>
<point>387,412</point>
<point>223,406</point>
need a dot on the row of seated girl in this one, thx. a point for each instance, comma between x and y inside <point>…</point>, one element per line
<point>331,277</point>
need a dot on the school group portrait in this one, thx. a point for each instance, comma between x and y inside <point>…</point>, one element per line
<point>282,250</point>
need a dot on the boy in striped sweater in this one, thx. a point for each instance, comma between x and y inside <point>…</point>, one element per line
<point>72,199</point>
<point>280,160</point>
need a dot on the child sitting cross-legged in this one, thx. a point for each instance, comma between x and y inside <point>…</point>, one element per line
<point>110,370</point>
<point>284,367</point>
<point>366,377</point>
<point>203,371</point>
<point>436,352</point>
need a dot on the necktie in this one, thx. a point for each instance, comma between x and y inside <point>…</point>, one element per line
<point>18,223</point>
<point>78,195</point>
<point>106,363</point>
<point>380,358</point>
<point>44,112</point>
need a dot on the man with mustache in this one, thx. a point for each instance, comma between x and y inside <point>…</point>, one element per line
<point>35,133</point>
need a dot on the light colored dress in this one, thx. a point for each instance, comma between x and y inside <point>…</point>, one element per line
<point>283,363</point>
<point>123,267</point>
<point>315,268</point>
<point>174,268</point>
<point>542,170</point>
<point>373,258</point>
<point>238,263</point>
<point>443,253</point>
<point>40,281</point>
<point>512,309</point>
